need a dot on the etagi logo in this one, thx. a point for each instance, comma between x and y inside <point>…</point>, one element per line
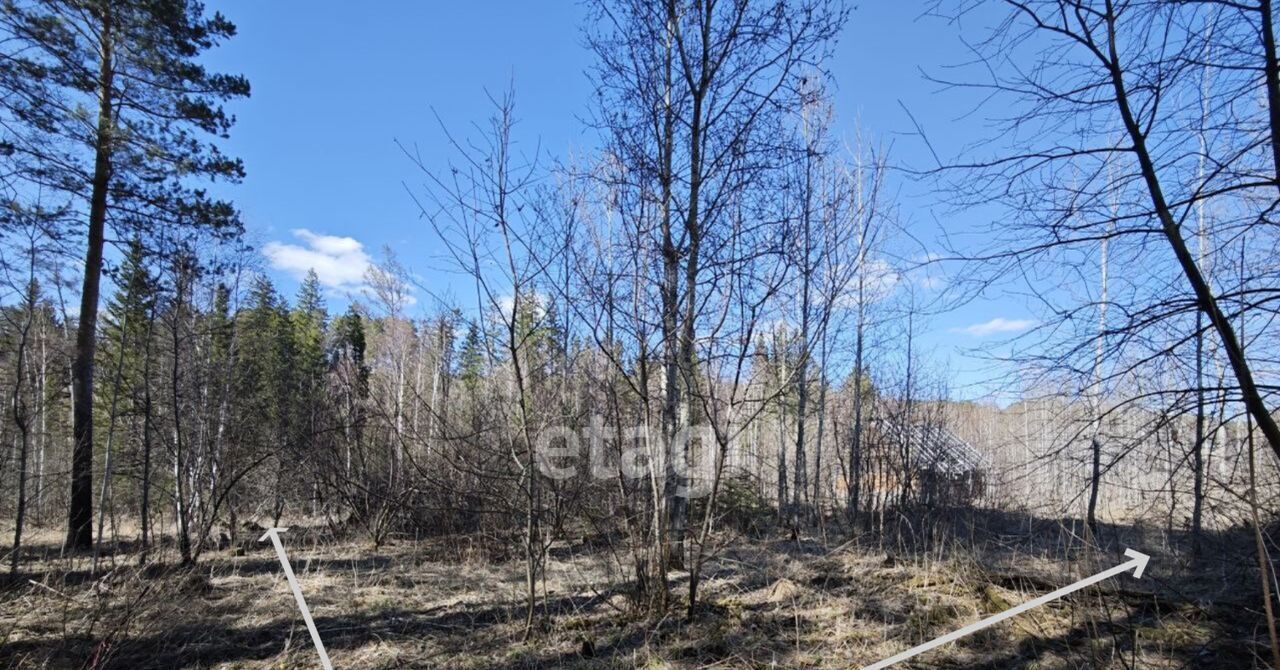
<point>631,452</point>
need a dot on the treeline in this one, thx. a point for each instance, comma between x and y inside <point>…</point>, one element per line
<point>195,394</point>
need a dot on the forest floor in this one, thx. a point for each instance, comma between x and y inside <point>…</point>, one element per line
<point>767,602</point>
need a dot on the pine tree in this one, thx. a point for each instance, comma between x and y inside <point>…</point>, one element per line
<point>129,164</point>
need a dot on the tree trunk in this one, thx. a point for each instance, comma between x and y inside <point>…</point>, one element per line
<point>145,483</point>
<point>80,511</point>
<point>1271,70</point>
<point>800,485</point>
<point>908,469</point>
<point>781,355</point>
<point>181,511</point>
<point>855,445</point>
<point>1095,443</point>
<point>111,429</point>
<point>42,392</point>
<point>822,420</point>
<point>801,512</point>
<point>22,419</point>
<point>670,557</point>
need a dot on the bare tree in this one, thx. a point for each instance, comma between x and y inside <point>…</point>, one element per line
<point>491,190</point>
<point>1119,90</point>
<point>21,397</point>
<point>709,79</point>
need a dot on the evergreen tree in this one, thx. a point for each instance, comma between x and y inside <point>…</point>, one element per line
<point>308,323</point>
<point>349,346</point>
<point>264,368</point>
<point>471,360</point>
<point>128,314</point>
<point>221,326</point>
<point>351,373</point>
<point>129,163</point>
<point>128,319</point>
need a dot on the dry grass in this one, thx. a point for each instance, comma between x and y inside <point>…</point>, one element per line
<point>448,604</point>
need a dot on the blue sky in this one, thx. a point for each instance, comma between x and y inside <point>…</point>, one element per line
<point>337,84</point>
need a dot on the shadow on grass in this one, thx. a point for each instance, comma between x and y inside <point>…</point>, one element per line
<point>200,644</point>
<point>1216,590</point>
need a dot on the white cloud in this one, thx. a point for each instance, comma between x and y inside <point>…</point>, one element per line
<point>996,326</point>
<point>929,274</point>
<point>929,257</point>
<point>930,283</point>
<point>339,262</point>
<point>880,281</point>
<point>506,302</point>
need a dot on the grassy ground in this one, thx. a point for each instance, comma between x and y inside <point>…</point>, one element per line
<point>768,603</point>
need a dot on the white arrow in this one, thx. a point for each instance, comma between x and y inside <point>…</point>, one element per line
<point>1137,564</point>
<point>274,534</point>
